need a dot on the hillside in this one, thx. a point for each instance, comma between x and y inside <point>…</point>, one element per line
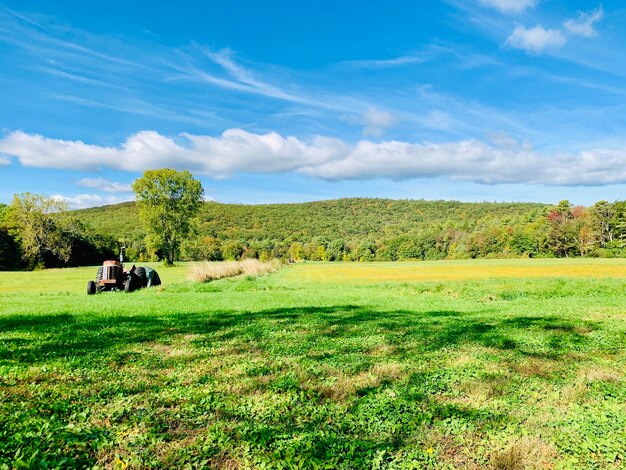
<point>351,221</point>
<point>332,219</point>
<point>357,229</point>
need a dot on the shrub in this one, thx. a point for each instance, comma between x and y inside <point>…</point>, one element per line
<point>232,250</point>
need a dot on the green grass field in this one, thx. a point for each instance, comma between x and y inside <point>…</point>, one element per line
<point>474,364</point>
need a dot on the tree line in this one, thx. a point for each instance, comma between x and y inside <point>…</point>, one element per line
<point>37,231</point>
<point>357,229</point>
<point>370,230</point>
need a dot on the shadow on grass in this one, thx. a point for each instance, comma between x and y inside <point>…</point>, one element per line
<point>335,337</point>
<point>65,334</point>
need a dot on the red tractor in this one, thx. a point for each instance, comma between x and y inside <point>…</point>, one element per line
<point>112,277</point>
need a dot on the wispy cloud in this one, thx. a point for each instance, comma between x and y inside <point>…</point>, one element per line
<point>245,80</point>
<point>463,116</point>
<point>583,83</point>
<point>426,54</point>
<point>105,185</point>
<point>76,77</point>
<point>242,79</point>
<point>134,106</point>
<point>131,77</point>
<point>139,77</point>
<point>377,122</point>
<point>205,90</point>
<point>236,151</point>
<point>510,6</point>
<point>584,25</point>
<point>123,77</point>
<point>39,37</point>
<point>385,63</point>
<point>224,58</point>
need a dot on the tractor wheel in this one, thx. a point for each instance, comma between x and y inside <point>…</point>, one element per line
<point>99,275</point>
<point>128,285</point>
<point>91,288</point>
<point>156,280</point>
<point>153,278</point>
<point>141,277</point>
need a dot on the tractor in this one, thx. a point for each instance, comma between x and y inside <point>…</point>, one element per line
<point>112,277</point>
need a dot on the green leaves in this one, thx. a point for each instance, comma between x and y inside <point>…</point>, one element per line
<point>168,201</point>
<point>31,220</point>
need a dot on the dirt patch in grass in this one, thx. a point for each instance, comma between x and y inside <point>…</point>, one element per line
<point>485,388</point>
<point>571,394</point>
<point>535,367</point>
<point>470,356</point>
<point>382,350</point>
<point>599,374</point>
<point>340,387</point>
<point>524,453</point>
<point>169,350</point>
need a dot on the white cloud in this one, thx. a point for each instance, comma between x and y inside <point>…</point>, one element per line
<point>510,6</point>
<point>236,151</point>
<point>475,161</point>
<point>104,185</point>
<point>82,201</point>
<point>539,39</point>
<point>584,24</point>
<point>468,160</point>
<point>37,151</point>
<point>536,40</point>
<point>377,122</point>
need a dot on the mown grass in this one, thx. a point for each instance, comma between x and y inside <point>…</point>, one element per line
<point>306,370</point>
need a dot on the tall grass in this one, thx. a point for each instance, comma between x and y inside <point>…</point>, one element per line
<point>213,270</point>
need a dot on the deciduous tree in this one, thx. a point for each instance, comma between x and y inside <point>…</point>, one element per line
<point>601,214</point>
<point>31,221</point>
<point>168,201</point>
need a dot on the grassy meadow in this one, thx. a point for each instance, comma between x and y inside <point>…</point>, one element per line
<point>471,364</point>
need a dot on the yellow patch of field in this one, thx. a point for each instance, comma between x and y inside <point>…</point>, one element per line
<point>457,270</point>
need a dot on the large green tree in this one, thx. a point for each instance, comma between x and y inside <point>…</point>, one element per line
<point>33,221</point>
<point>601,215</point>
<point>168,202</point>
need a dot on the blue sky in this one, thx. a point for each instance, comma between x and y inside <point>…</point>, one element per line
<point>497,100</point>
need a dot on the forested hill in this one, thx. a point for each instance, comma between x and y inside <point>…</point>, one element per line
<point>353,225</point>
<point>341,218</point>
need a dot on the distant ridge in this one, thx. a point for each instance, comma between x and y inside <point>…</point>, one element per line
<point>350,219</point>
